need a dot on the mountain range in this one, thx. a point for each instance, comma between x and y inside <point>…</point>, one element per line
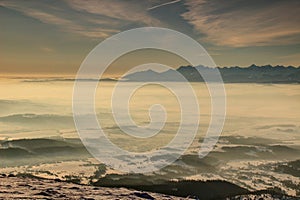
<point>251,74</point>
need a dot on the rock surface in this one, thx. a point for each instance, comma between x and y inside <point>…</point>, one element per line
<point>31,188</point>
<point>14,187</point>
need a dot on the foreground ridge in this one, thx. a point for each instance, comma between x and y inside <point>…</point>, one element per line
<point>30,187</point>
<point>12,187</point>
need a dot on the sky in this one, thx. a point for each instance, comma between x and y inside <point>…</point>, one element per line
<point>54,36</point>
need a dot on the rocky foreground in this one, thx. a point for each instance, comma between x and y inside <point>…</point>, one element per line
<point>32,188</point>
<point>23,187</point>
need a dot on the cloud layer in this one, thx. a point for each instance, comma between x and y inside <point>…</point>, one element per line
<point>236,23</point>
<point>90,18</point>
<point>239,23</point>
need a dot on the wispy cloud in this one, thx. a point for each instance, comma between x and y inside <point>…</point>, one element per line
<point>239,23</point>
<point>163,4</point>
<point>68,25</point>
<point>47,49</point>
<point>236,23</point>
<point>101,18</point>
<point>292,59</point>
<point>65,24</point>
<point>116,9</point>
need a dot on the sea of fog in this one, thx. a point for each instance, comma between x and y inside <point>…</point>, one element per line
<point>259,146</point>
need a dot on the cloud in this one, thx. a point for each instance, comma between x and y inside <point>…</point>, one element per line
<point>292,59</point>
<point>47,49</point>
<point>163,4</point>
<point>129,11</point>
<point>90,18</point>
<point>236,23</point>
<point>70,26</point>
<point>239,23</point>
<point>86,26</point>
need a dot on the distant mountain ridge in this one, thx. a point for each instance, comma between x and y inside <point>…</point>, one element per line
<point>251,74</point>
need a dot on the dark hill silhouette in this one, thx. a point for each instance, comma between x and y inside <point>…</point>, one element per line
<point>251,74</point>
<point>206,190</point>
<point>185,188</point>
